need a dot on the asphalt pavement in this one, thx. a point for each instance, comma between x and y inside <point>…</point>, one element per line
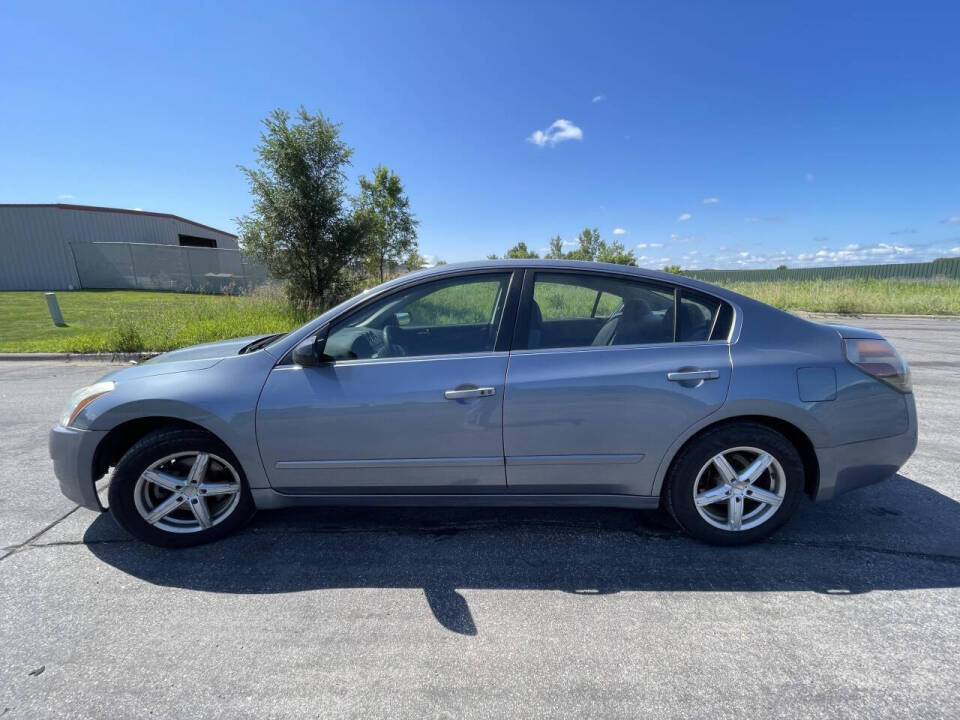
<point>853,610</point>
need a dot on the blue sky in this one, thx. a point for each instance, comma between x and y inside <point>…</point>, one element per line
<point>705,134</point>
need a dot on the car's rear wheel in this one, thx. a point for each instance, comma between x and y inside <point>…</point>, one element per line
<point>735,484</point>
<point>179,487</point>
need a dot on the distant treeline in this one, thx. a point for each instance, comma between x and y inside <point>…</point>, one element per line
<point>944,268</point>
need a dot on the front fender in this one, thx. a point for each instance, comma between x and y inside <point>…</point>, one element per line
<point>221,398</point>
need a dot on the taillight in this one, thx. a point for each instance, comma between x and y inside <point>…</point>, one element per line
<point>881,360</point>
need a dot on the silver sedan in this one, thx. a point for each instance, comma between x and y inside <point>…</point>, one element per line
<point>500,383</point>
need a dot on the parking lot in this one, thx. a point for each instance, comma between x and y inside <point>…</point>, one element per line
<point>853,610</point>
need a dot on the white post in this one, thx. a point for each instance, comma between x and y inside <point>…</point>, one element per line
<point>54,307</point>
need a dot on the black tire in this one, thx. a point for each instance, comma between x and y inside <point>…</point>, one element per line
<point>679,486</point>
<point>148,450</point>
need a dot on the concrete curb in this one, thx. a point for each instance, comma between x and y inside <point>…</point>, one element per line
<point>879,316</point>
<point>80,357</point>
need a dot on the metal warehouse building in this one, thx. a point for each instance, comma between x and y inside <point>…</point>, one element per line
<point>68,247</point>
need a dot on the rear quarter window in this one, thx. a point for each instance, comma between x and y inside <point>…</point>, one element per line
<point>702,318</point>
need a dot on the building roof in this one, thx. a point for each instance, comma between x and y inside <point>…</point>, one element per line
<point>94,208</point>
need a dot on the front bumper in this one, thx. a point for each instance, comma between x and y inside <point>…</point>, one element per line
<point>848,467</point>
<point>72,451</point>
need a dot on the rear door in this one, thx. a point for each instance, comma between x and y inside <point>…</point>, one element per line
<point>591,406</point>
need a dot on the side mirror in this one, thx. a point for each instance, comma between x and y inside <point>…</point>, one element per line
<point>310,352</point>
<point>403,318</point>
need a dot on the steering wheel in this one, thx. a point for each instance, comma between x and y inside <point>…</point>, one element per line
<point>390,333</point>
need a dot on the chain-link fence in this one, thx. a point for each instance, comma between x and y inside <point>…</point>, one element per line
<point>948,268</point>
<point>141,266</point>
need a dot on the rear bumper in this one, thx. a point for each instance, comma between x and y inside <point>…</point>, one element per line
<point>848,467</point>
<point>72,451</point>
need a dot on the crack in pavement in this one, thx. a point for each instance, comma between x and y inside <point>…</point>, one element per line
<point>447,530</point>
<point>934,557</point>
<point>12,549</point>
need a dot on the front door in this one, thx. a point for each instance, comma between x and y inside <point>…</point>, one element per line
<point>605,374</point>
<point>411,401</point>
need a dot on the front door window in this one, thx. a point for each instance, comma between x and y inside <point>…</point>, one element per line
<point>456,315</point>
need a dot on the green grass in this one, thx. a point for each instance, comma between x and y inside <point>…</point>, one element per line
<point>121,320</point>
<point>907,297</point>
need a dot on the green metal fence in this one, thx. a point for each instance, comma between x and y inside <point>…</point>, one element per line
<point>948,268</point>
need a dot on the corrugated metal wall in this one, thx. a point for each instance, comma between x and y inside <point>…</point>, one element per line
<point>948,268</point>
<point>35,241</point>
<point>136,266</point>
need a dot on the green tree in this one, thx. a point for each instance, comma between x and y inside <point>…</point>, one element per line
<point>520,252</point>
<point>301,226</point>
<point>615,252</point>
<point>588,246</point>
<point>781,267</point>
<point>675,269</point>
<point>393,228</point>
<point>595,249</point>
<point>556,249</point>
<point>414,261</point>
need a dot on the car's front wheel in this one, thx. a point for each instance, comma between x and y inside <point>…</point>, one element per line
<point>179,487</point>
<point>735,484</point>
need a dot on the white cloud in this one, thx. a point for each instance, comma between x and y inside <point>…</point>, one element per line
<point>641,246</point>
<point>850,254</point>
<point>619,231</point>
<point>599,98</point>
<point>711,201</point>
<point>808,177</point>
<point>684,217</point>
<point>65,196</point>
<point>752,219</point>
<point>570,243</point>
<point>560,131</point>
<point>952,220</point>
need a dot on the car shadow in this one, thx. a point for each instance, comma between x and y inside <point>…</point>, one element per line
<point>899,535</point>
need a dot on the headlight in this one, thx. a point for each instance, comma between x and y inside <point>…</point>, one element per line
<point>83,397</point>
<point>881,360</point>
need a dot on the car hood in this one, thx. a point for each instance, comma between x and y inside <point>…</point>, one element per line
<point>207,351</point>
<point>195,357</point>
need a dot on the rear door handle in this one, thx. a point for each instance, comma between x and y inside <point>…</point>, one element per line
<point>682,375</point>
<point>469,393</point>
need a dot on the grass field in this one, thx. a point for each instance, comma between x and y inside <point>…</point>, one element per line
<point>907,297</point>
<point>120,320</point>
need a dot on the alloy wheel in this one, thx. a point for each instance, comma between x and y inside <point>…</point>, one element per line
<point>739,489</point>
<point>187,492</point>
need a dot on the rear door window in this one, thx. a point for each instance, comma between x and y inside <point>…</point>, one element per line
<point>590,310</point>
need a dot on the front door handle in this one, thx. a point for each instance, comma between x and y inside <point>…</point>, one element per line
<point>469,393</point>
<point>684,375</point>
